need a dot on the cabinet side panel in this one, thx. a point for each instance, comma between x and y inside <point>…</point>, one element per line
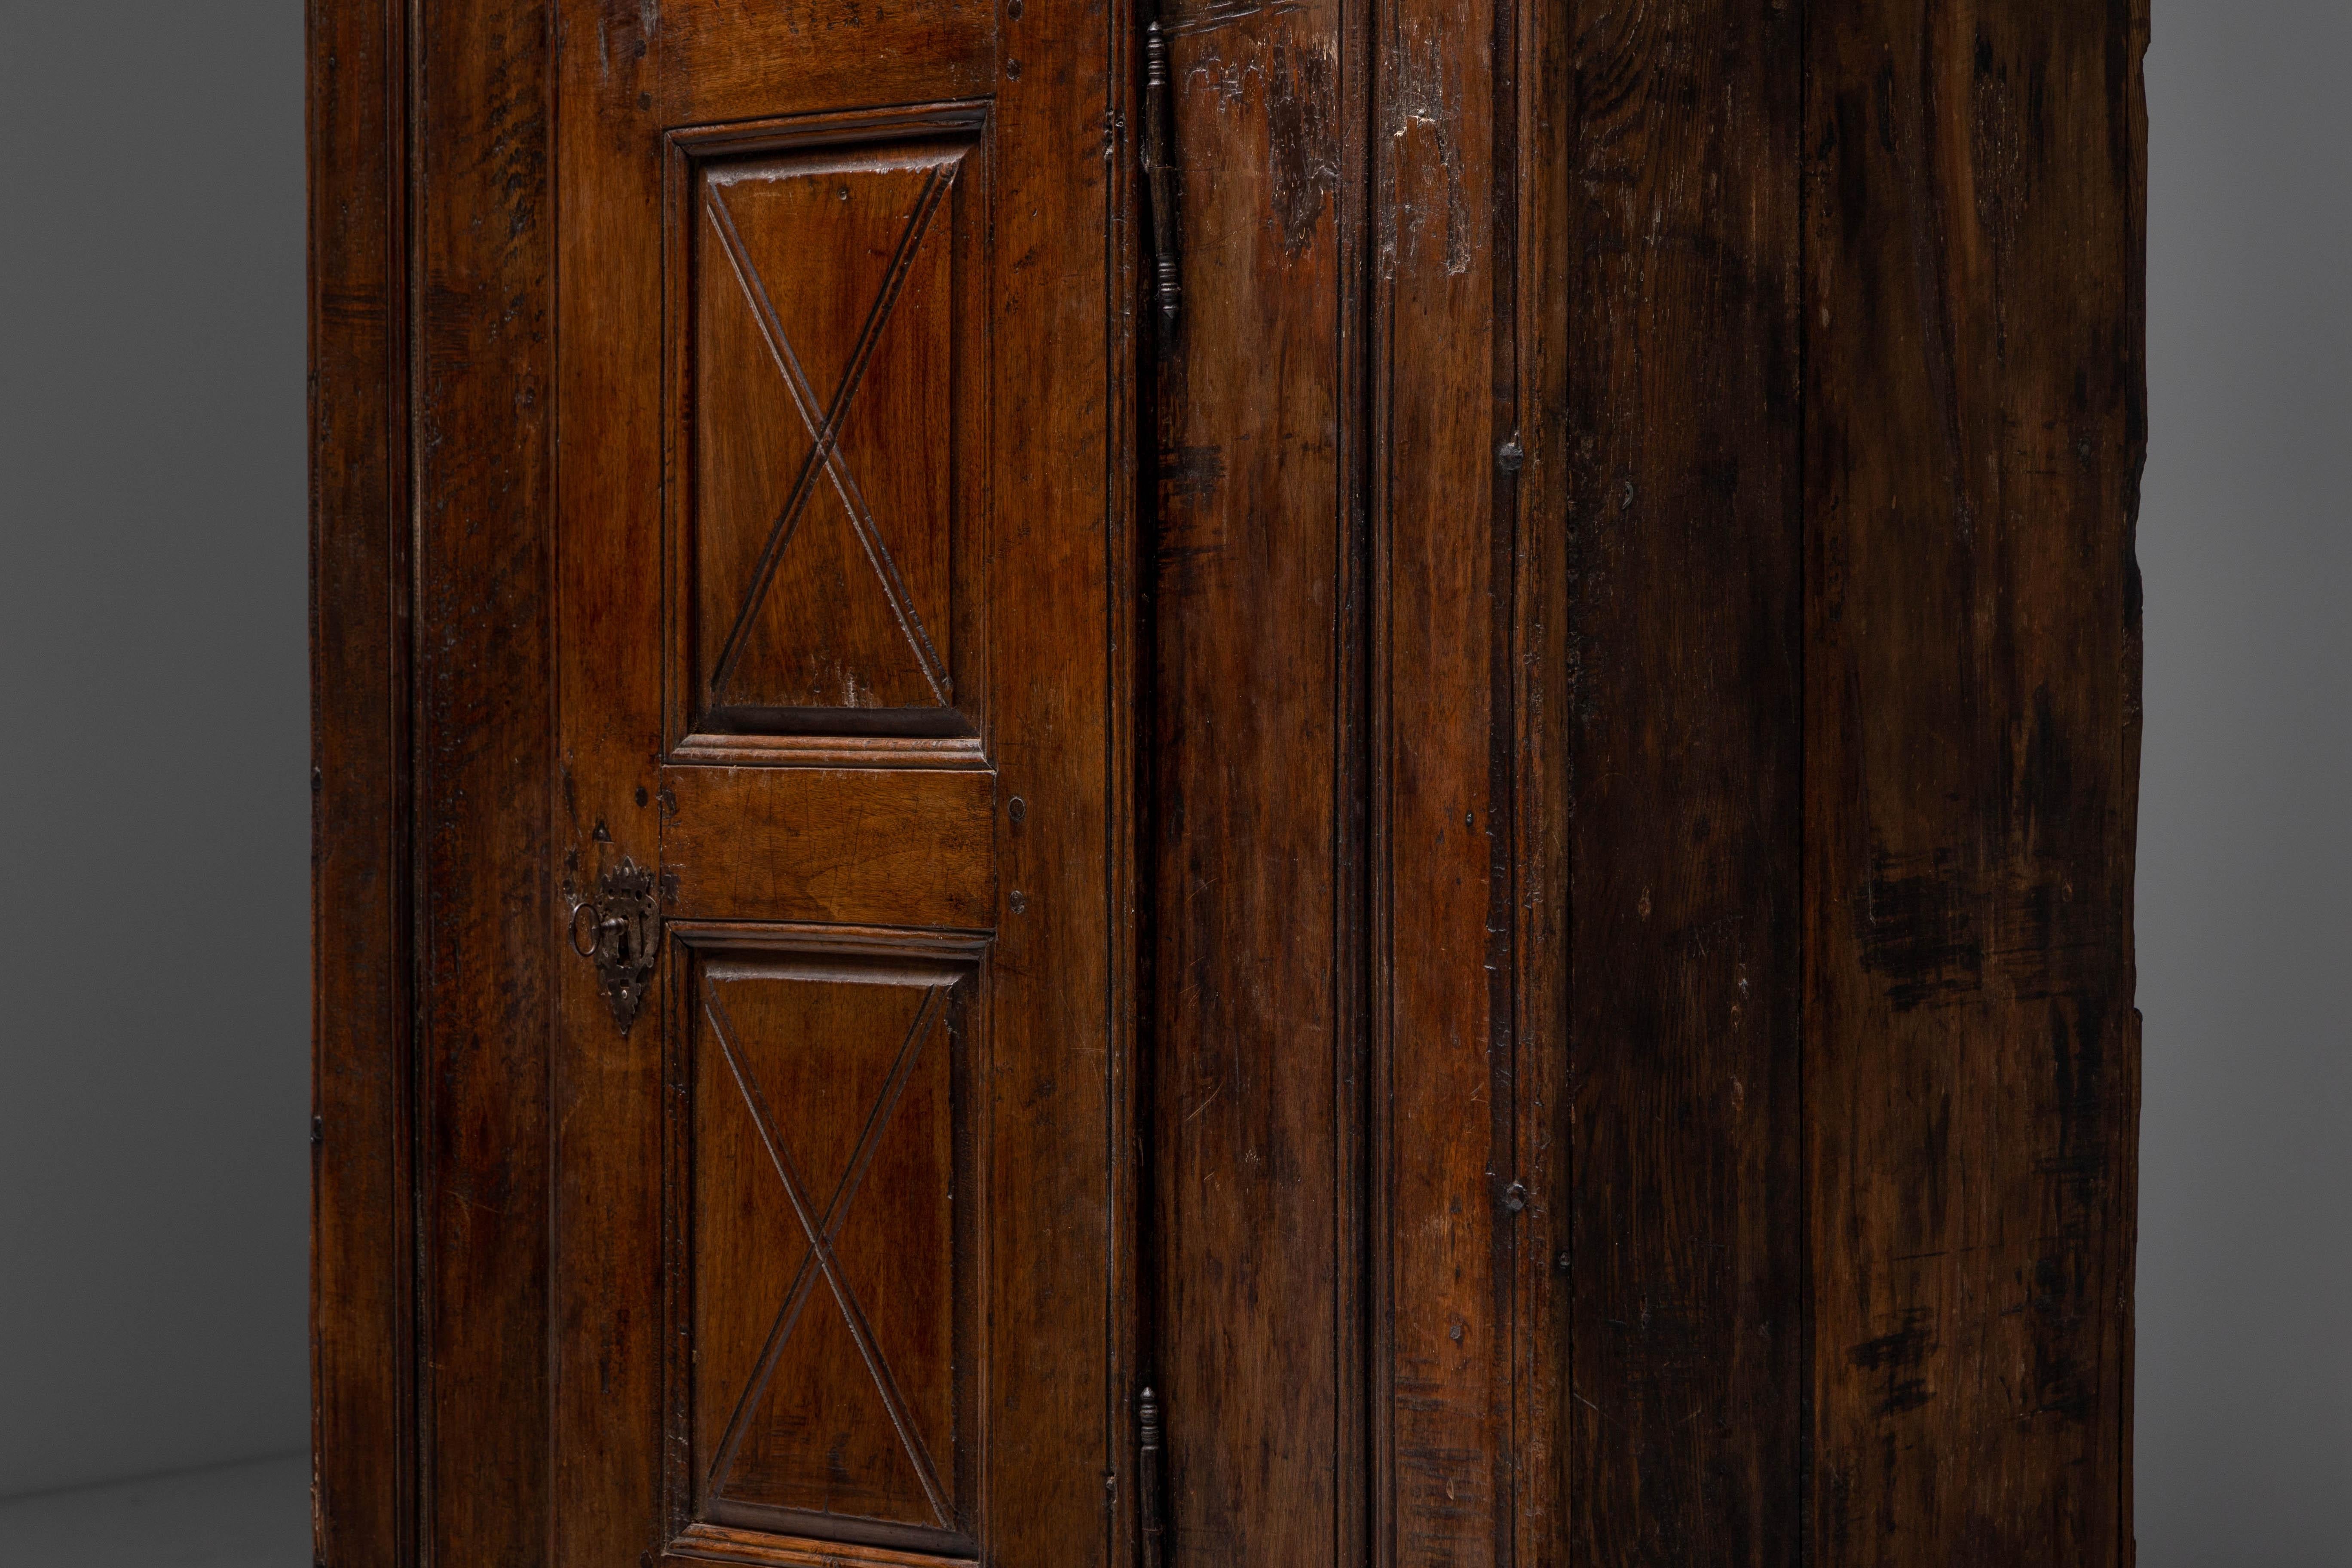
<point>1975,426</point>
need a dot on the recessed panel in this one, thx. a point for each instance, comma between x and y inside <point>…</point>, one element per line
<point>826,1255</point>
<point>827,351</point>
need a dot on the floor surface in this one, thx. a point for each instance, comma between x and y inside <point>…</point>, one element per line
<point>254,1515</point>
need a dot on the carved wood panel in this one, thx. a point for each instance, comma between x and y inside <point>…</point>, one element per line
<point>827,351</point>
<point>827,1247</point>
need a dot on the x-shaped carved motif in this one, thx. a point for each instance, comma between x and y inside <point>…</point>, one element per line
<point>820,1231</point>
<point>823,423</point>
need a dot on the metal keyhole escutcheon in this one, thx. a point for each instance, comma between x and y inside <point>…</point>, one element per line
<point>619,930</point>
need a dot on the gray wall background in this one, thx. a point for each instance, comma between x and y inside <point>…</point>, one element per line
<point>154,765</point>
<point>152,756</point>
<point>2246,860</point>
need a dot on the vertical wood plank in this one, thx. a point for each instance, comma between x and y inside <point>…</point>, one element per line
<point>482,222</point>
<point>1445,533</point>
<point>1975,429</point>
<point>361,1418</point>
<point>612,97</point>
<point>1684,555</point>
<point>1062,488</point>
<point>1256,1080</point>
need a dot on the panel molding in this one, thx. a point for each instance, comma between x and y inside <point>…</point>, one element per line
<point>950,967</point>
<point>711,714</point>
<point>699,1543</point>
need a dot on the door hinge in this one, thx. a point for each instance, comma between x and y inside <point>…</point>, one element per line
<point>1147,1476</point>
<point>1159,171</point>
<point>622,932</point>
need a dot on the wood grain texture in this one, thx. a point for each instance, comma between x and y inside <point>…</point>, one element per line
<point>1443,525</point>
<point>1255,1097</point>
<point>483,239</point>
<point>362,1311</point>
<point>717,1544</point>
<point>1975,428</point>
<point>721,53</point>
<point>827,286</point>
<point>1638,769</point>
<point>611,96</point>
<point>1005,829</point>
<point>1683,450</point>
<point>883,846</point>
<point>831,1250</point>
<point>1056,1400</point>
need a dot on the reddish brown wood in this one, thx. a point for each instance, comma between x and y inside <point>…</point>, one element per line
<point>482,238</point>
<point>840,520</point>
<point>608,1148</point>
<point>791,1430</point>
<point>855,845</point>
<point>911,660</point>
<point>1975,426</point>
<point>1061,569</point>
<point>544,177</point>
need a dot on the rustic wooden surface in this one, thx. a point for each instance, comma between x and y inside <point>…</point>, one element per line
<point>1630,705</point>
<point>482,237</point>
<point>508,180</point>
<point>1256,1112</point>
<point>1442,780</point>
<point>1059,1378</point>
<point>899,845</point>
<point>1975,424</point>
<point>1683,1037</point>
<point>607,1147</point>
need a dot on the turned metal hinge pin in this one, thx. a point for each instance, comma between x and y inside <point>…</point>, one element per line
<point>1159,171</point>
<point>1147,1501</point>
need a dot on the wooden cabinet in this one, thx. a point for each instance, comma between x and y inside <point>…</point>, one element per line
<point>1454,785</point>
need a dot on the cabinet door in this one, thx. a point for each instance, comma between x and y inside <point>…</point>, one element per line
<point>839,534</point>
